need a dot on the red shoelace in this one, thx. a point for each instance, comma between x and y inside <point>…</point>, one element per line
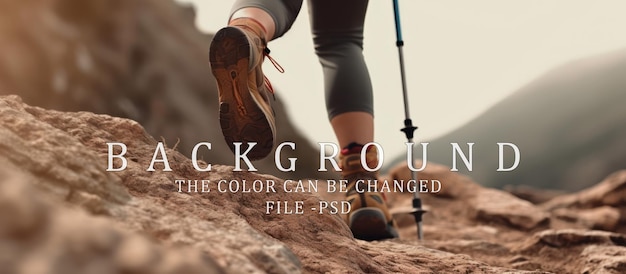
<point>279,68</point>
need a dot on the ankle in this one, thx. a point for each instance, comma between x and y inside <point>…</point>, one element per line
<point>252,25</point>
<point>352,148</point>
<point>351,163</point>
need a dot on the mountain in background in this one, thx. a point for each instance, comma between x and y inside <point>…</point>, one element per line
<point>570,127</point>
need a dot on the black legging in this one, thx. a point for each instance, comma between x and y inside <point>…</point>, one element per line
<point>337,28</point>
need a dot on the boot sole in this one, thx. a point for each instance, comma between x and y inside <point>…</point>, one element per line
<point>370,224</point>
<point>242,118</point>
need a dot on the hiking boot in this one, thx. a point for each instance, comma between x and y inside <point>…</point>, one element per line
<point>369,218</point>
<point>246,115</point>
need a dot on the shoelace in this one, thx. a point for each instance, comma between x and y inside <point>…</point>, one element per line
<point>352,178</point>
<point>266,53</point>
<point>279,68</point>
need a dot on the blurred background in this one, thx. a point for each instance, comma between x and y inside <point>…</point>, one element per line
<point>547,76</point>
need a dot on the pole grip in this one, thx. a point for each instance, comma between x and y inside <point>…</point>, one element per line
<point>396,11</point>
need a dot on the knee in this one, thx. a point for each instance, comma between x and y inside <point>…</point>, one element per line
<point>339,45</point>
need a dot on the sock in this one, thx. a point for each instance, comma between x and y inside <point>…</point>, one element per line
<point>250,24</point>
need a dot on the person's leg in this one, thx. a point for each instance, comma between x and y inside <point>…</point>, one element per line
<point>236,55</point>
<point>353,127</point>
<point>337,28</point>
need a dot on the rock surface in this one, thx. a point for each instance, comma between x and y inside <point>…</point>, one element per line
<point>38,235</point>
<point>513,233</point>
<point>60,210</point>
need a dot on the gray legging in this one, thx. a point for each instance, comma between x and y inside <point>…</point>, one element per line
<point>337,27</point>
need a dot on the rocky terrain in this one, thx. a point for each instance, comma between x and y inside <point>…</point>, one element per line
<point>62,212</point>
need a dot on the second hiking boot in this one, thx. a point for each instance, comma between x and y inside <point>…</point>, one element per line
<point>369,218</point>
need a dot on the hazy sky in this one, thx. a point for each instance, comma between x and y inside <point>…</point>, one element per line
<point>461,57</point>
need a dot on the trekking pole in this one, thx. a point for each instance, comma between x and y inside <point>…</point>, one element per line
<point>408,129</point>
